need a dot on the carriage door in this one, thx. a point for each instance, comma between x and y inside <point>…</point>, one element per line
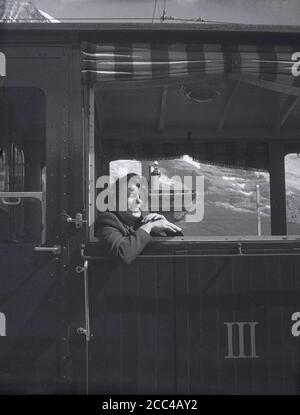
<point>32,123</point>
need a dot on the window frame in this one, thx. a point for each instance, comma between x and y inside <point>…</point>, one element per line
<point>15,157</point>
<point>91,192</point>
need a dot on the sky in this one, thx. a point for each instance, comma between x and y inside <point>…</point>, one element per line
<point>284,12</point>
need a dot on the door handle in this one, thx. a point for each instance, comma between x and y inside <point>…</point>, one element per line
<point>56,249</point>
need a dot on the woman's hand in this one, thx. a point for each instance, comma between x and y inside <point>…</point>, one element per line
<point>164,225</point>
<point>152,217</point>
<point>161,225</point>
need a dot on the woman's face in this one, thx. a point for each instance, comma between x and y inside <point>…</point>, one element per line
<point>134,201</point>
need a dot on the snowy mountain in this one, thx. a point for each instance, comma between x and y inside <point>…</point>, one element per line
<point>16,11</point>
<point>230,196</point>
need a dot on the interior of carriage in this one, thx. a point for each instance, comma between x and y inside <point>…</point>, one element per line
<point>237,133</point>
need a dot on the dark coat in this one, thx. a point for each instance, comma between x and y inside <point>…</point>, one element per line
<point>118,240</point>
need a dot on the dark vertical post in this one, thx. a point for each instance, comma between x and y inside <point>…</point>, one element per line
<point>277,189</point>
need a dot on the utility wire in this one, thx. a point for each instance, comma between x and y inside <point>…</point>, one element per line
<point>111,19</point>
<point>159,7</point>
<point>154,8</point>
<point>164,11</point>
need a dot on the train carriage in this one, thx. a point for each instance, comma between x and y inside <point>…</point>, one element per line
<point>214,311</point>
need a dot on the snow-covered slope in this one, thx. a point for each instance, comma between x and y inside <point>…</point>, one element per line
<point>48,17</point>
<point>230,200</point>
<point>16,11</point>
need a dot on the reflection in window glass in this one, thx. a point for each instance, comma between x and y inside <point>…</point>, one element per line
<point>236,201</point>
<point>119,168</point>
<point>292,189</point>
<point>4,171</point>
<point>17,169</point>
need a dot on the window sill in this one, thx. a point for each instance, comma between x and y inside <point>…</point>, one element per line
<point>230,246</point>
<point>216,239</point>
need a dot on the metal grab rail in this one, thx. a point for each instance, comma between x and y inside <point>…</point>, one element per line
<point>41,196</point>
<point>20,195</point>
<point>87,330</point>
<point>17,202</point>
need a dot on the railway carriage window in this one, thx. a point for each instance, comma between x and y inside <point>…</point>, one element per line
<point>212,200</point>
<point>292,189</point>
<point>22,156</point>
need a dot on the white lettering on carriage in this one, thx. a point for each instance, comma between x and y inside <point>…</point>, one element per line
<point>2,64</point>
<point>2,325</point>
<point>296,326</point>
<point>296,65</point>
<point>240,352</point>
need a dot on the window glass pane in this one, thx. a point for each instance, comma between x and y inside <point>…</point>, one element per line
<point>119,168</point>
<point>22,165</point>
<point>22,220</point>
<point>292,188</point>
<point>214,201</point>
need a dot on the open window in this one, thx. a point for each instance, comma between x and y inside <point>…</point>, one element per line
<point>222,190</point>
<point>193,110</point>
<point>212,200</point>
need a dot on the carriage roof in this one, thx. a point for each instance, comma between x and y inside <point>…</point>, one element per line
<point>214,106</point>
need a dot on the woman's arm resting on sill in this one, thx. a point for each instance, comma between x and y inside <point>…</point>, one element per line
<point>124,248</point>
